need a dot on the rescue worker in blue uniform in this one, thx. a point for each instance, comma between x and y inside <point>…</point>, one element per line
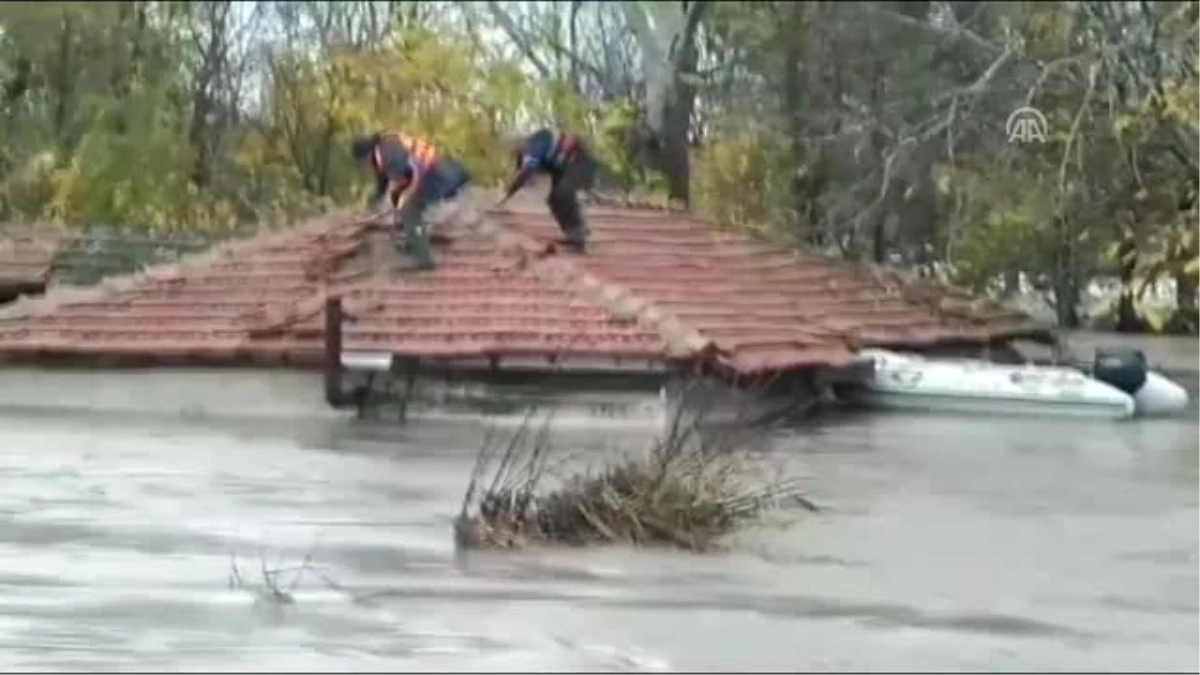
<point>571,168</point>
<point>413,176</point>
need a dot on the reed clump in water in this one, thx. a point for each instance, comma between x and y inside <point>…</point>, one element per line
<point>690,489</point>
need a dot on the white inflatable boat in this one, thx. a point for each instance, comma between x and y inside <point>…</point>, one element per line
<point>1116,386</point>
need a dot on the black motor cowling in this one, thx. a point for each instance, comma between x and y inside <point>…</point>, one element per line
<point>1122,367</point>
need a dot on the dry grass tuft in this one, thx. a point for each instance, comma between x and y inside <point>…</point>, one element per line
<point>693,486</point>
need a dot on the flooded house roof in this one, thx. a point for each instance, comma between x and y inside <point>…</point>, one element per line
<point>656,285</point>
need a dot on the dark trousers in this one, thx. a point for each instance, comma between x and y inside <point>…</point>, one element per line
<point>447,178</point>
<point>580,174</point>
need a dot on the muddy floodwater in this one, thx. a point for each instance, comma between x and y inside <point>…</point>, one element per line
<point>946,543</point>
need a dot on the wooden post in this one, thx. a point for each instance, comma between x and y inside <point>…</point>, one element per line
<point>411,366</point>
<point>334,395</point>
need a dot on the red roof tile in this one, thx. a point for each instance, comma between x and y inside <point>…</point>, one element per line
<point>655,284</point>
<point>761,309</point>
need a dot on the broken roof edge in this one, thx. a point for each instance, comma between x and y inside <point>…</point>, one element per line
<point>308,358</point>
<point>951,337</point>
<point>55,295</point>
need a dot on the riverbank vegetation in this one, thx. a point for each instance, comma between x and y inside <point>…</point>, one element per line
<point>690,489</point>
<point>880,131</point>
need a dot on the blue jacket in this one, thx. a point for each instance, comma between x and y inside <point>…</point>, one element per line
<point>544,151</point>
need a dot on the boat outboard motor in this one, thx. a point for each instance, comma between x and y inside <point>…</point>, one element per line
<point>1122,367</point>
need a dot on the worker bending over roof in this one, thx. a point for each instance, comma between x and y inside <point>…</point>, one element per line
<point>412,175</point>
<point>571,169</point>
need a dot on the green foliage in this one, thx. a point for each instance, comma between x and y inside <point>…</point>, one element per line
<point>740,179</point>
<point>1172,252</point>
<point>856,91</point>
<point>1006,223</point>
<point>131,178</point>
<point>130,159</point>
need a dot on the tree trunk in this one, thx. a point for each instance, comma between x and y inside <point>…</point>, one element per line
<point>204,103</point>
<point>879,214</point>
<point>63,84</point>
<point>1127,318</point>
<point>1066,300</point>
<point>673,152</point>
<point>669,65</point>
<point>674,145</point>
<point>793,109</point>
<point>1066,281</point>
<point>1012,282</point>
<point>1187,315</point>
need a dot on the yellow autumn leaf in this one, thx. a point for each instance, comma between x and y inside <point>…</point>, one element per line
<point>944,184</point>
<point>1192,267</point>
<point>1123,124</point>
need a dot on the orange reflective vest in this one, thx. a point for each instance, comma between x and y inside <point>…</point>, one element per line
<point>421,152</point>
<point>564,148</point>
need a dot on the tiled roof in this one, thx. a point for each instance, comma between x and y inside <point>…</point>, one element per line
<point>762,309</point>
<point>655,284</point>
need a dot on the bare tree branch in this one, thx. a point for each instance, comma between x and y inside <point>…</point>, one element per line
<point>518,38</point>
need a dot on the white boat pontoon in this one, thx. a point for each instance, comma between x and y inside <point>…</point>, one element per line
<point>1117,385</point>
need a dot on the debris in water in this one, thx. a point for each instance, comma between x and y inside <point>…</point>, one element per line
<point>273,588</point>
<point>694,486</point>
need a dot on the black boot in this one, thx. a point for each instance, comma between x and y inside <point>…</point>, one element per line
<point>565,207</point>
<point>577,242</point>
<point>416,245</point>
<point>416,235</point>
